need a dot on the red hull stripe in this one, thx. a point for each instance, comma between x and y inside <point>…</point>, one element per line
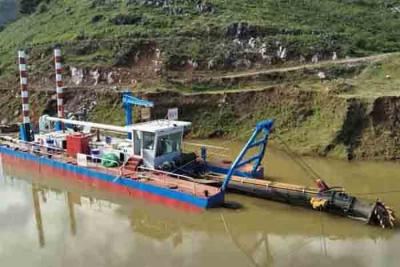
<point>114,187</point>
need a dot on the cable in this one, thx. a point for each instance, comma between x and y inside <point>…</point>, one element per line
<point>298,160</point>
<point>229,141</point>
<point>377,193</point>
<point>237,244</point>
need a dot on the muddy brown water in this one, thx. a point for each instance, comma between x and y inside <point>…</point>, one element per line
<point>52,222</point>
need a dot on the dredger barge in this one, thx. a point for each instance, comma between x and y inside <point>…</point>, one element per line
<point>147,160</point>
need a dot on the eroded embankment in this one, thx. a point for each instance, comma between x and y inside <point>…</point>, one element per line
<point>310,122</point>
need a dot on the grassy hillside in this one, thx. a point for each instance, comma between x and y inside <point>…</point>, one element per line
<point>352,113</point>
<point>375,79</point>
<point>108,32</point>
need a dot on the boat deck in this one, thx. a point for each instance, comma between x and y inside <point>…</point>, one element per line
<point>148,176</point>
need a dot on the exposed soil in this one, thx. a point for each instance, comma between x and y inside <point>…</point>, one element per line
<point>310,122</point>
<point>317,122</point>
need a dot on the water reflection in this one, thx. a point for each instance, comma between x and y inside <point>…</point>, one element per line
<point>149,224</point>
<point>253,253</point>
<point>71,212</point>
<point>38,215</point>
<point>75,224</point>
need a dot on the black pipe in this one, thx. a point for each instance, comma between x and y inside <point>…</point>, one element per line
<point>332,201</point>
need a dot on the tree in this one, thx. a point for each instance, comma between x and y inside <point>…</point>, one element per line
<point>28,6</point>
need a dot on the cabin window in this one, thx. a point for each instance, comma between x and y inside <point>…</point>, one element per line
<point>169,144</point>
<point>148,140</point>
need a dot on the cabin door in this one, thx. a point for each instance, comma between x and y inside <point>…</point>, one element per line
<point>137,143</point>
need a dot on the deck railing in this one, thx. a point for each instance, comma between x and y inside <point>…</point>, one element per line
<point>195,185</point>
<point>95,162</point>
<point>56,152</point>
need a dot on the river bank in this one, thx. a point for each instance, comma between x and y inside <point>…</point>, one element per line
<point>347,109</point>
<point>311,122</point>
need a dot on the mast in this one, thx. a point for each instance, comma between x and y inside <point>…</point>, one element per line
<point>59,88</point>
<point>25,127</point>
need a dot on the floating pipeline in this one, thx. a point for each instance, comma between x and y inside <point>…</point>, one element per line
<point>330,200</point>
<point>246,176</point>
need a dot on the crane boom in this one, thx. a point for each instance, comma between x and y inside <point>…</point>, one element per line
<point>128,100</point>
<point>120,129</point>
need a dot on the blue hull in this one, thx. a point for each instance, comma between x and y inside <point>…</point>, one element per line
<point>164,193</point>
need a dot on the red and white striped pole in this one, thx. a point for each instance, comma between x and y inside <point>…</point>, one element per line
<point>23,73</point>
<point>59,87</point>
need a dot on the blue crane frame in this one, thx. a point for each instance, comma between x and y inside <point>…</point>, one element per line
<point>128,100</point>
<point>263,127</point>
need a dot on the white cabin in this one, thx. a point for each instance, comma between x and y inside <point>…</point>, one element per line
<point>157,141</point>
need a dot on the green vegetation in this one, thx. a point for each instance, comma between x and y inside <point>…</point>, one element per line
<point>341,115</point>
<point>379,79</point>
<point>369,81</point>
<point>30,6</point>
<point>105,32</point>
<point>105,111</point>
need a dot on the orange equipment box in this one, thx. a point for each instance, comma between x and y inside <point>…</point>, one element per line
<point>77,143</point>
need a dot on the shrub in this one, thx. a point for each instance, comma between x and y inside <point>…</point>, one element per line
<point>43,8</point>
<point>29,6</point>
<point>126,19</point>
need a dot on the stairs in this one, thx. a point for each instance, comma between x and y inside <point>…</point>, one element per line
<point>130,167</point>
